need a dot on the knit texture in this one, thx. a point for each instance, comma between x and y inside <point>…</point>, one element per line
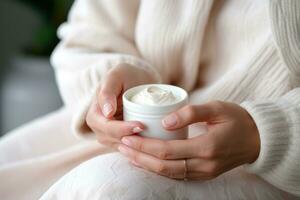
<point>253,59</point>
<point>278,120</point>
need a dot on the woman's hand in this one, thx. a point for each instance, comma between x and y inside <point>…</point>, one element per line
<point>105,114</point>
<point>231,140</point>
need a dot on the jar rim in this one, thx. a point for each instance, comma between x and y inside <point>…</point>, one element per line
<point>154,109</point>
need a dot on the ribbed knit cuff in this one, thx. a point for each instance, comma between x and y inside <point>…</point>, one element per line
<point>273,128</point>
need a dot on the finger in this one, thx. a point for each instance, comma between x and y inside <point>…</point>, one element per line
<point>108,141</point>
<point>208,172</point>
<point>206,167</point>
<point>198,176</point>
<point>169,168</point>
<point>200,169</point>
<point>165,150</point>
<point>113,128</point>
<point>191,114</point>
<point>118,129</point>
<point>108,95</point>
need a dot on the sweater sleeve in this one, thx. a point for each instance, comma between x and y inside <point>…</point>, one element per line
<point>278,123</point>
<point>98,35</point>
<point>278,120</point>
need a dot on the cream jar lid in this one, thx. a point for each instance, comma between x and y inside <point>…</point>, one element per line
<point>180,94</point>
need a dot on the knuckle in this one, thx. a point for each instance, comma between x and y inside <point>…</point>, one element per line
<point>104,91</point>
<point>164,152</point>
<point>218,106</point>
<point>91,121</point>
<point>135,157</point>
<point>161,168</point>
<point>213,169</point>
<point>190,111</point>
<point>209,153</point>
<point>116,72</point>
<point>141,146</point>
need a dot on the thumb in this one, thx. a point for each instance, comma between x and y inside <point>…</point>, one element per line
<point>191,114</point>
<point>107,96</point>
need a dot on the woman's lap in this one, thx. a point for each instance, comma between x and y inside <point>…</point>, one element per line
<point>44,150</point>
<point>36,155</point>
<point>42,136</point>
<point>111,176</point>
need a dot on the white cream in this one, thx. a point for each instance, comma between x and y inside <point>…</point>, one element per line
<point>154,96</point>
<point>167,98</point>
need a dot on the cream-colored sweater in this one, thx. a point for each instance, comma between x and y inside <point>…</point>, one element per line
<point>247,52</point>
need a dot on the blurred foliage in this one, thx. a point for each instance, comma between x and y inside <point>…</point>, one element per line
<point>52,13</point>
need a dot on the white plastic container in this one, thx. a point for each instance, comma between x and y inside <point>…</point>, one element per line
<point>151,115</point>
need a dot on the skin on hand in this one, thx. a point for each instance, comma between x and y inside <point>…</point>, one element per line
<point>105,114</point>
<point>232,139</point>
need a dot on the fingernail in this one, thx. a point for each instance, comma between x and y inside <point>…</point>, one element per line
<point>107,109</point>
<point>123,150</point>
<point>135,163</point>
<point>137,130</point>
<point>126,141</point>
<point>169,121</point>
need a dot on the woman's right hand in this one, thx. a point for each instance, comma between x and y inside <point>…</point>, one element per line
<point>105,115</point>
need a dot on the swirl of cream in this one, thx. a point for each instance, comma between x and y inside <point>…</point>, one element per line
<point>154,96</point>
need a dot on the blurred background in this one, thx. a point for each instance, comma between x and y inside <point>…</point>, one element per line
<point>28,36</point>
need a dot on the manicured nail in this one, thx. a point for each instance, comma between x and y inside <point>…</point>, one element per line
<point>123,150</point>
<point>135,163</point>
<point>137,130</point>
<point>169,121</point>
<point>126,141</point>
<point>107,109</point>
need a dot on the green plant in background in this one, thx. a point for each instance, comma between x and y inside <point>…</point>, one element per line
<point>52,13</point>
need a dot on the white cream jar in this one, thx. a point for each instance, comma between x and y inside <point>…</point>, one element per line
<point>150,103</point>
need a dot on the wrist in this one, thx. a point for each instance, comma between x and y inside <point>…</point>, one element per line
<point>254,140</point>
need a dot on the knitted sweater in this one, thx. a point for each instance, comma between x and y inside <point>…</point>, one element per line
<point>170,40</point>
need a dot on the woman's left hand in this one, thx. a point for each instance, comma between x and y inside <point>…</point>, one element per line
<point>231,140</point>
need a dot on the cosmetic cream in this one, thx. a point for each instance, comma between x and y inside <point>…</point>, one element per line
<point>150,103</point>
